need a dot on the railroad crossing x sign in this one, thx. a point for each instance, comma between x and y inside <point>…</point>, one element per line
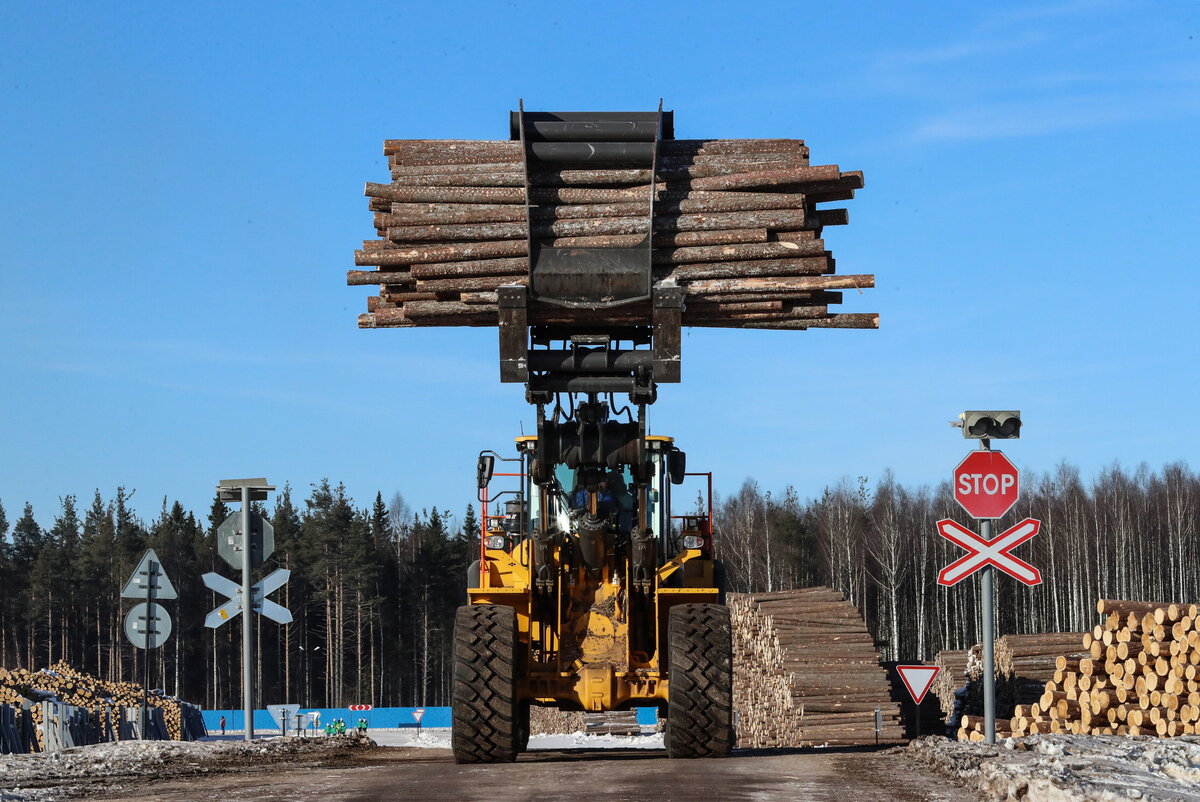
<point>258,598</point>
<point>989,552</point>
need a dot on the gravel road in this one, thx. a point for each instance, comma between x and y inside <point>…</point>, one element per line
<point>845,775</point>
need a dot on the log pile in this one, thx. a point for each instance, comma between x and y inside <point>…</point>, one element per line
<point>806,672</point>
<point>735,224</point>
<point>552,721</point>
<point>1025,663</point>
<point>612,722</point>
<point>951,678</point>
<point>64,684</point>
<point>1136,673</point>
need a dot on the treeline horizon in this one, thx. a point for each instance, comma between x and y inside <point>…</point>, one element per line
<point>373,589</point>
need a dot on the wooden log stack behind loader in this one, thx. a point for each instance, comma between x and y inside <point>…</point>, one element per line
<point>588,593</point>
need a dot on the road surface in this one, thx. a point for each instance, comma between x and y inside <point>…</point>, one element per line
<point>846,775</point>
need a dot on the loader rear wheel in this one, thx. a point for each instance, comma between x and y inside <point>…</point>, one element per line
<point>485,711</point>
<point>700,681</point>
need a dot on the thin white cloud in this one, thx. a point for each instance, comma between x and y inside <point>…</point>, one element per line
<point>965,49</point>
<point>1049,116</point>
<point>1017,15</point>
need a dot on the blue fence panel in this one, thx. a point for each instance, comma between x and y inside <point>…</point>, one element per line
<point>377,718</point>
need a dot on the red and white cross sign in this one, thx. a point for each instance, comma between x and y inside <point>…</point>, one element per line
<point>918,679</point>
<point>989,552</point>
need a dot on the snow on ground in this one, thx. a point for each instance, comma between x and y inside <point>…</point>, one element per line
<point>76,771</point>
<point>440,739</point>
<point>1054,768</point>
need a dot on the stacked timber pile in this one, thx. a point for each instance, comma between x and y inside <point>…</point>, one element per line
<point>61,683</point>
<point>552,721</point>
<point>951,677</point>
<point>806,672</point>
<point>735,224</point>
<point>1025,663</point>
<point>612,722</point>
<point>1139,674</point>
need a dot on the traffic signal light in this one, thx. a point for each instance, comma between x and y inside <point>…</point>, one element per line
<point>978,424</point>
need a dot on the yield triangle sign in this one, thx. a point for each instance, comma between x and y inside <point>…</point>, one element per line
<point>149,579</point>
<point>918,679</point>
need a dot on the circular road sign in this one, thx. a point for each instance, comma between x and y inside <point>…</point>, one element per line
<point>148,625</point>
<point>986,484</point>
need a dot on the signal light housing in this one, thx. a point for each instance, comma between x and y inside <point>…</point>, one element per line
<point>980,424</point>
<point>495,542</point>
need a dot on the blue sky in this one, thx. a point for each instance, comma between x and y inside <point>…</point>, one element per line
<point>181,195</point>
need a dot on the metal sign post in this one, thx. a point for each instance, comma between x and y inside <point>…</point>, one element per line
<point>987,486</point>
<point>148,624</point>
<point>246,491</point>
<point>247,622</point>
<point>989,643</point>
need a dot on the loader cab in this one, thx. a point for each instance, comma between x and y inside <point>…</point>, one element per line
<point>560,501</point>
<point>512,512</point>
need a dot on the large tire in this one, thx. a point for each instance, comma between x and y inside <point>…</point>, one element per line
<point>700,681</point>
<point>485,684</point>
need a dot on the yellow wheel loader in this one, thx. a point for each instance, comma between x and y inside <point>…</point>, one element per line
<point>588,593</point>
<point>587,597</point>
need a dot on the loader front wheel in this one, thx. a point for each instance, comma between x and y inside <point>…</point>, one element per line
<point>700,681</point>
<point>485,711</point>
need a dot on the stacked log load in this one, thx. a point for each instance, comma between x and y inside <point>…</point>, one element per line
<point>735,224</point>
<point>950,679</point>
<point>806,672</point>
<point>552,721</point>
<point>64,684</point>
<point>612,722</point>
<point>1135,673</point>
<point>1024,663</point>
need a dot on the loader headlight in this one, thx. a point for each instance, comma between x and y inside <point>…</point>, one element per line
<point>693,542</point>
<point>494,542</point>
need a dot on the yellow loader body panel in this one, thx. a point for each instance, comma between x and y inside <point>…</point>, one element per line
<point>577,644</point>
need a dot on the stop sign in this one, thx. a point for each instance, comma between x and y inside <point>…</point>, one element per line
<point>986,484</point>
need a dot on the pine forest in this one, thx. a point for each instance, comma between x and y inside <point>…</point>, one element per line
<point>373,589</point>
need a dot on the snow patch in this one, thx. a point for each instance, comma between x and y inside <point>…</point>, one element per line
<point>118,765</point>
<point>440,739</point>
<point>1071,767</point>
